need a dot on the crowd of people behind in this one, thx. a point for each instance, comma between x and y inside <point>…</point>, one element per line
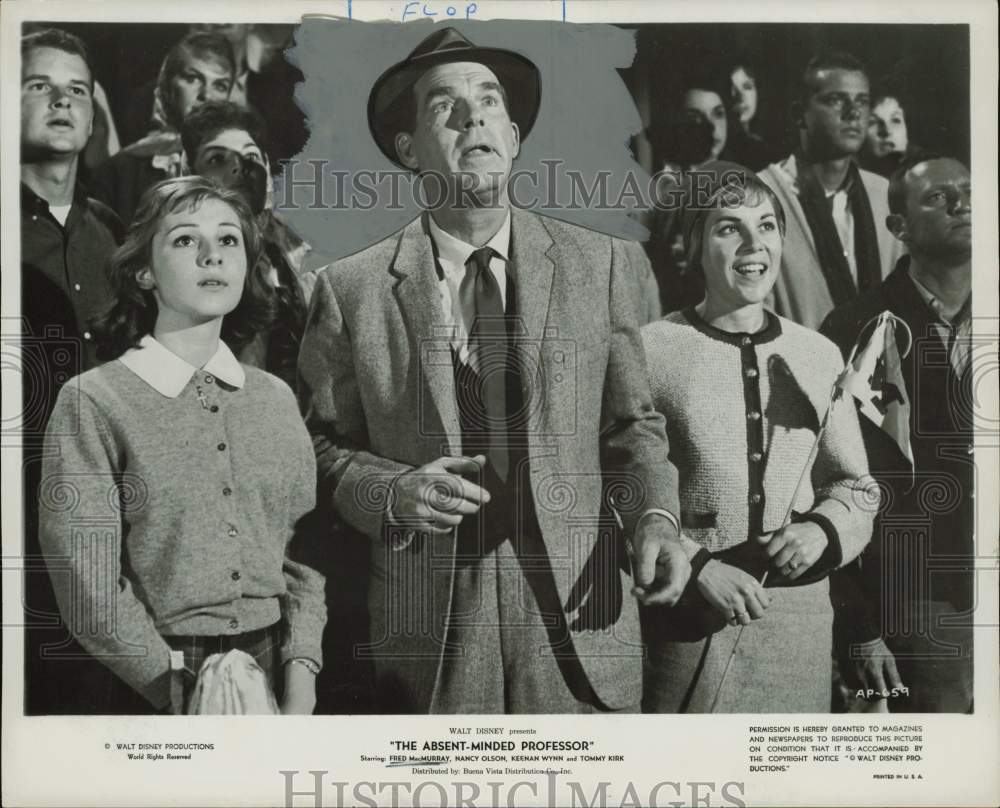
<point>155,263</point>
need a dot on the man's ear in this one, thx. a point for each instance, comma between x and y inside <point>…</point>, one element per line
<point>405,150</point>
<point>896,225</point>
<point>517,140</point>
<point>144,277</point>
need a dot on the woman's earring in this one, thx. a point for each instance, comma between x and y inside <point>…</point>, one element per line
<point>144,277</point>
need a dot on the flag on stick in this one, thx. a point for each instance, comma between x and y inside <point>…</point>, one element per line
<point>874,377</point>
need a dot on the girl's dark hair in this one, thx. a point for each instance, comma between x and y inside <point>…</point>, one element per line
<point>209,119</point>
<point>741,61</point>
<point>133,314</point>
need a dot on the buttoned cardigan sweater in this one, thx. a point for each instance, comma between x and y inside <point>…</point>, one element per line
<point>742,413</point>
<point>176,502</point>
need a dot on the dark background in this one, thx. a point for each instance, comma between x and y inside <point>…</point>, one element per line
<point>930,63</point>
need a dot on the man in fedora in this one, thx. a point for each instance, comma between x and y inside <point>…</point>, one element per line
<point>476,391</point>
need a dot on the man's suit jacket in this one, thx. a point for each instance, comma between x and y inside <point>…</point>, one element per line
<point>378,394</point>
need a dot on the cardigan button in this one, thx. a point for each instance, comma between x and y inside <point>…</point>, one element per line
<point>753,415</point>
<point>756,457</point>
<point>755,499</point>
<point>750,373</point>
<point>746,341</point>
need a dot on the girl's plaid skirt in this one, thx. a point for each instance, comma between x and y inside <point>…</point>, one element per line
<point>263,645</point>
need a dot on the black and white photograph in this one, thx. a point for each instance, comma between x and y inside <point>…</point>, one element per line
<point>475,404</point>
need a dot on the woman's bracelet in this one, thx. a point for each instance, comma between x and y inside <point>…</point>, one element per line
<point>308,664</point>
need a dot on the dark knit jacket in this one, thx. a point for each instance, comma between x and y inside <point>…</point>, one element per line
<point>925,524</point>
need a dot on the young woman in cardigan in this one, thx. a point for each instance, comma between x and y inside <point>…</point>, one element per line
<point>744,393</point>
<point>178,483</point>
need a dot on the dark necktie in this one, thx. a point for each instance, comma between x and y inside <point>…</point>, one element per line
<point>488,342</point>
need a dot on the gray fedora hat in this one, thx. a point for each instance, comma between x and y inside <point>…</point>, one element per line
<point>387,103</point>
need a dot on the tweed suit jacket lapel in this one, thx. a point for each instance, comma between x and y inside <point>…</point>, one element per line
<point>533,258</point>
<point>419,300</point>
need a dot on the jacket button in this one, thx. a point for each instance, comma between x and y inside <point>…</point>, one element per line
<point>234,623</point>
<point>209,378</point>
<point>227,491</point>
<point>222,447</point>
<point>232,532</point>
<point>235,576</point>
<point>214,408</point>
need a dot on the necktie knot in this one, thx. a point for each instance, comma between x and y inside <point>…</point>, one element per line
<point>481,258</point>
<point>489,301</point>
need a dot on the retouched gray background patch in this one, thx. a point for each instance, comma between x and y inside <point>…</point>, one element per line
<point>586,119</point>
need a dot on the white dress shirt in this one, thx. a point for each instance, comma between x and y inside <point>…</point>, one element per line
<point>843,219</point>
<point>457,282</point>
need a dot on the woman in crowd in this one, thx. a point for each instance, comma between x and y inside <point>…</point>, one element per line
<point>225,143</point>
<point>887,143</point>
<point>197,69</point>
<point>744,393</point>
<point>745,146</point>
<point>177,482</point>
<point>696,131</point>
